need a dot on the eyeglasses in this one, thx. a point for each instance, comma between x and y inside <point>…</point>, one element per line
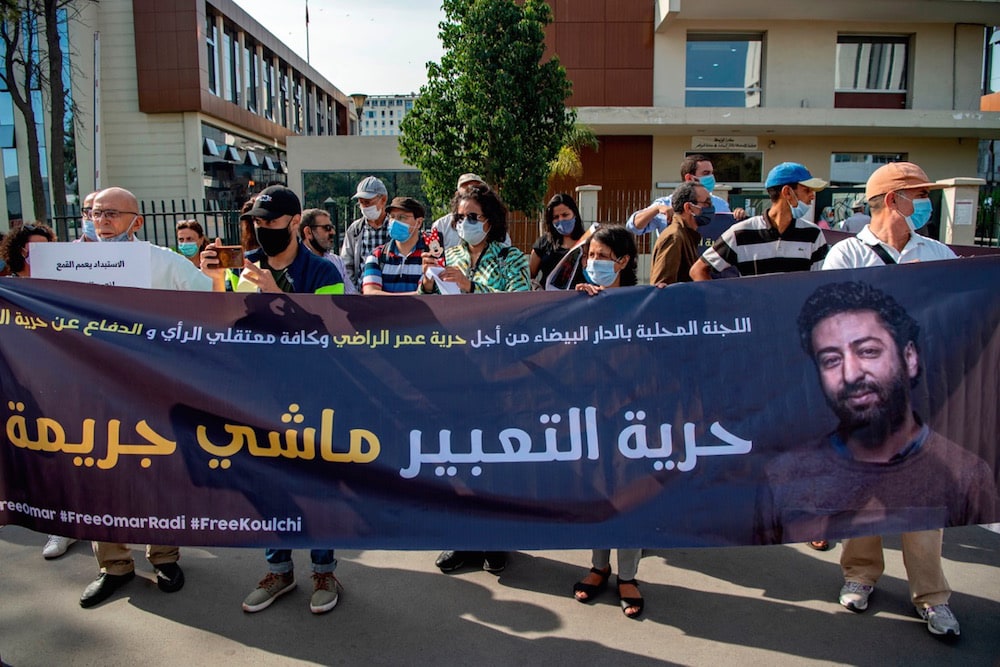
<point>471,217</point>
<point>110,214</point>
<point>703,204</point>
<point>86,212</point>
<point>328,228</point>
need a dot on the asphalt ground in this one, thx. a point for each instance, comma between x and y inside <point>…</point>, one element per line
<point>741,606</point>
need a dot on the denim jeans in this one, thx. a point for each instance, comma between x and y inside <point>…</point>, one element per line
<point>279,561</point>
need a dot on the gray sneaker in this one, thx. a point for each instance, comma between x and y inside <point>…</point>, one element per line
<point>855,596</point>
<point>268,590</point>
<point>326,592</point>
<point>940,620</point>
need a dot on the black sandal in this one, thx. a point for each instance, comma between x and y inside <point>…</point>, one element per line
<point>591,591</point>
<point>629,603</point>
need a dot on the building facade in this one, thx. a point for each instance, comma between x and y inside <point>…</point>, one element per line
<point>382,114</point>
<point>841,87</point>
<point>188,99</point>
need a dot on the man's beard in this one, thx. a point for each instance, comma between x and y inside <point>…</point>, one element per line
<point>320,250</point>
<point>872,425</point>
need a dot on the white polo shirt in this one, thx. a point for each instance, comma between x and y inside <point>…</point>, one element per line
<point>857,251</point>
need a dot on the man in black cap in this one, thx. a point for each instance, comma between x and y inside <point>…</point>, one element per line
<point>282,263</point>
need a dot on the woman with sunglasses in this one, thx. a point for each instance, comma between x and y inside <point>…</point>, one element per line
<point>479,264</point>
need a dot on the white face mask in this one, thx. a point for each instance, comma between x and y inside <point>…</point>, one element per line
<point>371,212</point>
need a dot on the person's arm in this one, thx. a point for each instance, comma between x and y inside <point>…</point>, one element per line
<point>534,263</point>
<point>639,222</point>
<point>347,253</point>
<point>739,214</point>
<point>700,270</point>
<point>820,250</point>
<point>666,261</point>
<point>210,266</point>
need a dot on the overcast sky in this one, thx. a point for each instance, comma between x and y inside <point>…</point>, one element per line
<point>360,46</point>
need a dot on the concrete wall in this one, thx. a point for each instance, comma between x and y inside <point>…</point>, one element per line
<point>799,61</point>
<point>341,153</point>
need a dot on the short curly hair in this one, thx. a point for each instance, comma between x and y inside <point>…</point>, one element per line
<point>16,240</point>
<point>829,300</point>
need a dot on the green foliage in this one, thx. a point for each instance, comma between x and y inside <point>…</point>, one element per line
<point>567,163</point>
<point>491,106</point>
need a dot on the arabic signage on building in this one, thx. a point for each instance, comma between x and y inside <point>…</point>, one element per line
<point>724,143</point>
<point>640,417</point>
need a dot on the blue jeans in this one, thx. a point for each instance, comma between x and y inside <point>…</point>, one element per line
<point>279,561</point>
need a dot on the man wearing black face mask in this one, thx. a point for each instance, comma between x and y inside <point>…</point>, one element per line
<point>676,249</point>
<point>282,263</point>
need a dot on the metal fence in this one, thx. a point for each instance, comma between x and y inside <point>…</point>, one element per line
<point>161,218</point>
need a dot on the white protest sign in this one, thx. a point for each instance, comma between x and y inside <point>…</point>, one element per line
<point>117,264</point>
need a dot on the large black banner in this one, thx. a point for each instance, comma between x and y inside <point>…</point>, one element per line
<point>642,417</point>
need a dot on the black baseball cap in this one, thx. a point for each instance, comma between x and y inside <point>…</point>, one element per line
<point>274,202</point>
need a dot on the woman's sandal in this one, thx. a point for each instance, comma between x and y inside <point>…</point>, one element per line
<point>591,591</point>
<point>630,603</point>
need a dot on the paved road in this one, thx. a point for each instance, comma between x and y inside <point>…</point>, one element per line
<point>748,606</point>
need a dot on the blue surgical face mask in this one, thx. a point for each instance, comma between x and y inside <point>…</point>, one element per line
<point>600,272</point>
<point>188,248</point>
<point>399,230</point>
<point>922,209</point>
<point>471,232</point>
<point>800,209</point>
<point>565,227</point>
<point>124,236</point>
<point>707,182</point>
<point>89,229</point>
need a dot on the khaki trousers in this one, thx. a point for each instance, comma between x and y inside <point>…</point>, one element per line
<point>117,558</point>
<point>862,561</point>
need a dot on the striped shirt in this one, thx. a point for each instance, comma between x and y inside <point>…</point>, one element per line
<point>394,272</point>
<point>755,247</point>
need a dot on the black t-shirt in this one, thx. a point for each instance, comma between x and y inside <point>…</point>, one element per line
<point>549,254</point>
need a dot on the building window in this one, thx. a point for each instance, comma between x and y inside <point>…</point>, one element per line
<point>723,70</point>
<point>297,108</point>
<point>13,183</point>
<point>267,70</point>
<point>871,72</point>
<point>213,57</point>
<point>855,168</point>
<point>738,168</point>
<point>231,63</point>
<point>992,67</point>
<point>250,74</point>
<point>284,97</point>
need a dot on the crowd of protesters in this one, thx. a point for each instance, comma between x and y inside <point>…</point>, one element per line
<point>390,251</point>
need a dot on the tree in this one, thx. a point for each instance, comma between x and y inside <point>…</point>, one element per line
<point>22,76</point>
<point>29,69</point>
<point>491,106</point>
<point>567,163</point>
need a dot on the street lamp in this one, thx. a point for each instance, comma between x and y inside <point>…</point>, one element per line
<point>359,104</point>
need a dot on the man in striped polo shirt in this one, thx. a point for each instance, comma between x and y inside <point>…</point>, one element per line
<point>777,241</point>
<point>397,266</point>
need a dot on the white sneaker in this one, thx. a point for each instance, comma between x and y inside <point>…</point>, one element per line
<point>855,596</point>
<point>940,620</point>
<point>56,546</point>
